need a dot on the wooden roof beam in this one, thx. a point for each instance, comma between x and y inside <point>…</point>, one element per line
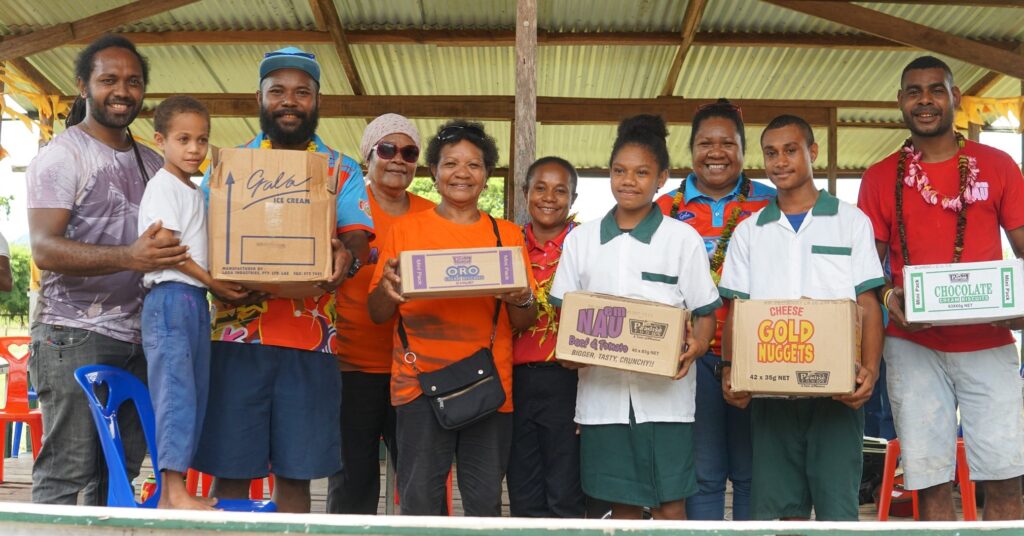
<point>84,29</point>
<point>33,75</point>
<point>691,21</point>
<point>989,79</point>
<point>475,38</point>
<point>909,33</point>
<point>550,110</point>
<point>328,14</point>
<point>976,3</point>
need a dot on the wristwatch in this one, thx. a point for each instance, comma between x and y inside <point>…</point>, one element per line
<point>356,265</point>
<point>526,304</point>
<point>719,367</point>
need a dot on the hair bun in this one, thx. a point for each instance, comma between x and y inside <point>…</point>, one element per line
<point>643,124</point>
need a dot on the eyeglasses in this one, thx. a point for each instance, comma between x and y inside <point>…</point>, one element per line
<point>721,106</point>
<point>448,134</point>
<point>387,150</point>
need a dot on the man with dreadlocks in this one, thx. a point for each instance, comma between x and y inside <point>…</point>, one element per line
<point>941,199</point>
<point>83,202</point>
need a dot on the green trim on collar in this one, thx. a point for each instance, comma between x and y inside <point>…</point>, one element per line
<point>643,232</point>
<point>869,284</point>
<point>826,205</point>
<point>708,309</point>
<point>557,302</point>
<point>732,294</point>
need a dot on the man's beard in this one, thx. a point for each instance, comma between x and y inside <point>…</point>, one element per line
<point>98,112</point>
<point>289,138</point>
<point>944,127</point>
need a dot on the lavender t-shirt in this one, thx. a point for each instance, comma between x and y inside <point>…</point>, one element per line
<point>102,187</point>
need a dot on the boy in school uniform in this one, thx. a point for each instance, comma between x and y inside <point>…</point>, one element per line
<point>806,243</point>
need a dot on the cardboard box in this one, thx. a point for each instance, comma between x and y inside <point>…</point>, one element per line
<point>271,216</point>
<point>454,273</point>
<point>622,333</point>
<point>795,347</point>
<point>964,293</point>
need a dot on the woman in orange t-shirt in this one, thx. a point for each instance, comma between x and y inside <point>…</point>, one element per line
<point>443,331</point>
<point>390,148</point>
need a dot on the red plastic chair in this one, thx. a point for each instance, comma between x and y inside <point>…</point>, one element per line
<point>15,350</point>
<point>963,478</point>
<point>201,483</point>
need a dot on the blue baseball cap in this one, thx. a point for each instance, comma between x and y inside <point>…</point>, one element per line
<point>290,58</point>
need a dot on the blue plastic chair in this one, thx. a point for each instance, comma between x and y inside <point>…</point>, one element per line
<point>121,387</point>
<point>16,436</point>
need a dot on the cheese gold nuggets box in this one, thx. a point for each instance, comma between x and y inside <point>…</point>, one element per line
<point>795,347</point>
<point>622,333</point>
<point>964,293</point>
<point>271,219</point>
<point>459,273</point>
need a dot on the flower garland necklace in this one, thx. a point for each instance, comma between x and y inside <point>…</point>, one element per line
<point>266,144</point>
<point>545,309</point>
<point>718,257</point>
<point>910,172</point>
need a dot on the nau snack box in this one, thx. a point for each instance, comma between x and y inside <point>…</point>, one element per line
<point>964,293</point>
<point>622,333</point>
<point>795,347</point>
<point>455,273</point>
<point>271,220</point>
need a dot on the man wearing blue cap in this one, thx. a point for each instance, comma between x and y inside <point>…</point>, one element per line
<point>275,396</point>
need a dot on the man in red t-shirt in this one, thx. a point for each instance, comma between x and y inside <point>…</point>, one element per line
<point>934,370</point>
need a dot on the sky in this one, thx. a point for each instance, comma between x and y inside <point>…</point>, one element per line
<point>595,197</point>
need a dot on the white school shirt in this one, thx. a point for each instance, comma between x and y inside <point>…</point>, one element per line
<point>661,260</point>
<point>182,210</point>
<point>831,256</point>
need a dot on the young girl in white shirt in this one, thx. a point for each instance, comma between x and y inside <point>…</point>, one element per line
<point>636,437</point>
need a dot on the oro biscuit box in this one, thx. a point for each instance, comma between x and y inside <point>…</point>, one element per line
<point>621,333</point>
<point>964,293</point>
<point>271,218</point>
<point>795,347</point>
<point>459,273</point>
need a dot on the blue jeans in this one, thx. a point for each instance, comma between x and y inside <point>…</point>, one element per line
<point>723,449</point>
<point>176,338</point>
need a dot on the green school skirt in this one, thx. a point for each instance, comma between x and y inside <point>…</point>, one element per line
<point>638,464</point>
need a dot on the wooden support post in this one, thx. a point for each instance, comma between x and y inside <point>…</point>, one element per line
<point>974,132</point>
<point>510,174</point>
<point>833,149</point>
<point>525,124</point>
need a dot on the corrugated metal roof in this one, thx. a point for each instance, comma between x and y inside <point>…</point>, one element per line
<point>1001,24</point>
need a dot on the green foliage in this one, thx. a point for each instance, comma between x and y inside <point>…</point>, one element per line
<point>492,200</point>
<point>15,302</point>
<point>5,204</point>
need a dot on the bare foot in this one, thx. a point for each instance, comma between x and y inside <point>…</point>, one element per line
<point>208,501</point>
<point>185,503</point>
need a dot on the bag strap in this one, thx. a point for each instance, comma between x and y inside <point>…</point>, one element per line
<point>404,337</point>
<point>138,158</point>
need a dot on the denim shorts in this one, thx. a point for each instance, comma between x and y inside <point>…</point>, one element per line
<point>927,387</point>
<point>271,410</point>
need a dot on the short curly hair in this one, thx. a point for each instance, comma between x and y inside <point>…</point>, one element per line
<point>173,106</point>
<point>457,130</point>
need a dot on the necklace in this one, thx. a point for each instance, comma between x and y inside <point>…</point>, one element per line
<point>266,144</point>
<point>718,257</point>
<point>910,172</point>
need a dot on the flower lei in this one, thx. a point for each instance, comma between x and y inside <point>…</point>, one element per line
<point>910,172</point>
<point>265,144</point>
<point>718,257</point>
<point>545,309</point>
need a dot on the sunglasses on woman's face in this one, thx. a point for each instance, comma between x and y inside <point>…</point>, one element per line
<point>387,150</point>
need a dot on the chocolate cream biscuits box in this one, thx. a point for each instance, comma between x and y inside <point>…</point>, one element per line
<point>795,347</point>
<point>621,333</point>
<point>271,218</point>
<point>455,273</point>
<point>964,293</point>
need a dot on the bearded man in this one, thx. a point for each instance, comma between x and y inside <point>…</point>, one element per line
<point>275,396</point>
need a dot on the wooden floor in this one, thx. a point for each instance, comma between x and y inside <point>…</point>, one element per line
<point>17,487</point>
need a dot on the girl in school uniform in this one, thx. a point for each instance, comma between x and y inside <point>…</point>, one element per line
<point>636,433</point>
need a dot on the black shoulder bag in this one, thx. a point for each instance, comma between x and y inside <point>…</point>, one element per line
<point>467,390</point>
